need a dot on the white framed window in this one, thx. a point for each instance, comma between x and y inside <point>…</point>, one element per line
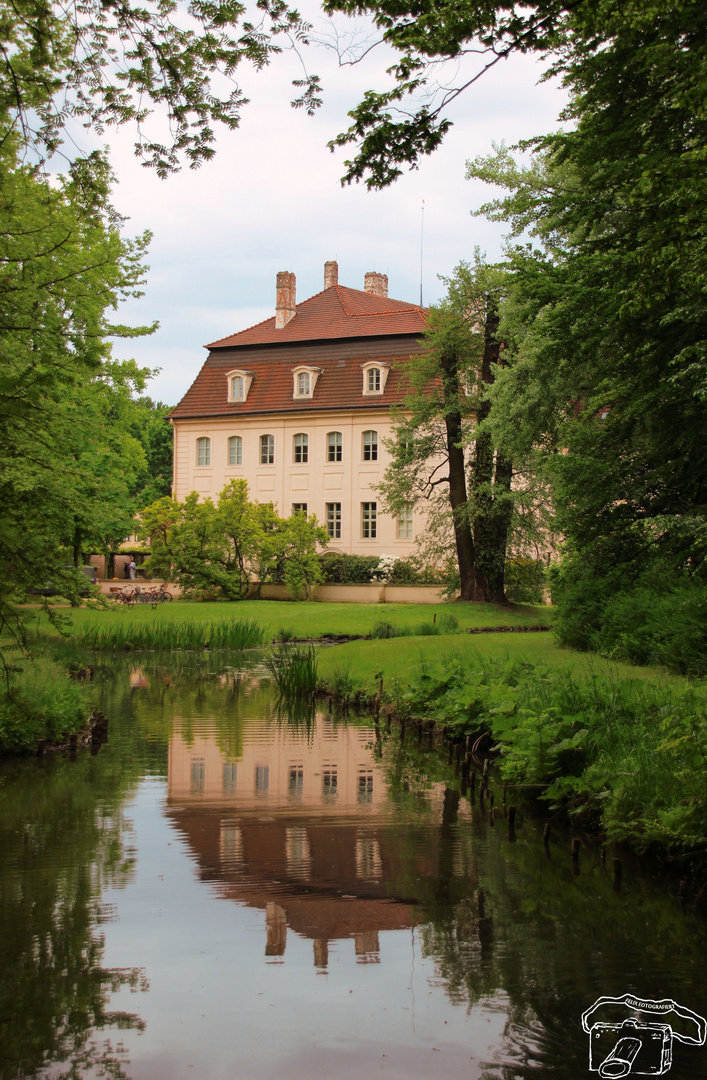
<point>405,442</point>
<point>235,450</point>
<point>333,520</point>
<point>299,508</point>
<point>369,520</point>
<point>203,451</point>
<point>300,448</point>
<point>305,379</point>
<point>375,376</point>
<point>405,522</point>
<point>267,449</point>
<point>238,385</point>
<point>370,446</point>
<point>334,444</point>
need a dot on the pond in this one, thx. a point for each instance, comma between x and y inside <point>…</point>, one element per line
<point>222,891</point>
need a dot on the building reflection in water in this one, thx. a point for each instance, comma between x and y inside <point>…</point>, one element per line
<point>299,826</point>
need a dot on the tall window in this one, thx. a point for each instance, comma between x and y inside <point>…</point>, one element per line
<point>333,520</point>
<point>369,515</point>
<point>203,451</point>
<point>405,446</point>
<point>405,522</point>
<point>262,779</point>
<point>267,449</point>
<point>301,454</point>
<point>235,450</point>
<point>374,380</point>
<point>230,770</point>
<point>303,384</point>
<point>370,446</point>
<point>237,388</point>
<point>334,446</point>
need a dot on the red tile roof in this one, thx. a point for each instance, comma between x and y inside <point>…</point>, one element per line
<point>339,385</point>
<point>336,312</point>
<point>315,336</point>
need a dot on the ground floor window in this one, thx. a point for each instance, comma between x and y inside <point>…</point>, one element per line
<point>299,508</point>
<point>333,520</point>
<point>405,522</point>
<point>235,450</point>
<point>369,514</point>
<point>267,449</point>
<point>203,451</point>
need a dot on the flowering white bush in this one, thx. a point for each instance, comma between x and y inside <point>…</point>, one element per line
<point>385,568</point>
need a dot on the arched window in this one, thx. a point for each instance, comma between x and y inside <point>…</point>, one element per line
<point>267,449</point>
<point>301,449</point>
<point>303,384</point>
<point>203,451</point>
<point>334,446</point>
<point>235,450</point>
<point>370,446</point>
<point>237,388</point>
<point>375,376</point>
<point>374,380</point>
<point>239,382</point>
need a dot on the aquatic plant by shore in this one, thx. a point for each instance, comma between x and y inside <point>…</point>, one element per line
<point>294,672</point>
<point>623,754</point>
<point>181,634</point>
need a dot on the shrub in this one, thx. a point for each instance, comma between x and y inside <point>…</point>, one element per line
<point>383,629</point>
<point>525,581</point>
<point>294,672</point>
<point>340,569</point>
<point>43,703</point>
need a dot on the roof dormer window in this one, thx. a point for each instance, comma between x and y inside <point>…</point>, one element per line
<point>305,379</point>
<point>238,385</point>
<point>375,376</point>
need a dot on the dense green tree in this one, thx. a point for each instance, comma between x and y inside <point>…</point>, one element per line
<point>218,549</point>
<point>607,306</point>
<point>152,429</point>
<point>444,454</point>
<point>65,467</point>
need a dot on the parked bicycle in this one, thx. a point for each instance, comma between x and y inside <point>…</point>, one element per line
<point>139,594</point>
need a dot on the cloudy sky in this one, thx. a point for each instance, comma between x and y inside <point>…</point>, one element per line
<point>271,200</point>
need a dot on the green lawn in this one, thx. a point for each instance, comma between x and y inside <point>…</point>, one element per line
<point>310,619</point>
<point>400,657</point>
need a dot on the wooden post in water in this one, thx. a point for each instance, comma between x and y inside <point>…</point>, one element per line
<point>546,834</point>
<point>618,870</point>
<point>576,844</point>
<point>511,816</point>
<point>486,767</point>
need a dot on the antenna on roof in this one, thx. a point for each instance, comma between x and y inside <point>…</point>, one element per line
<point>422,235</point>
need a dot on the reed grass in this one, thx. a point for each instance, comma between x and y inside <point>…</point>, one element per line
<point>294,672</point>
<point>166,636</point>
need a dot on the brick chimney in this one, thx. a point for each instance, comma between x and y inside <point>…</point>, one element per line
<point>284,299</point>
<point>331,274</point>
<point>376,283</point>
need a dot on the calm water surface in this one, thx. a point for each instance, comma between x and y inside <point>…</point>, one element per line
<point>221,892</point>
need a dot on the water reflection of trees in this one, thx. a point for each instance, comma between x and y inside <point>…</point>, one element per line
<point>223,687</point>
<point>62,839</point>
<point>504,922</point>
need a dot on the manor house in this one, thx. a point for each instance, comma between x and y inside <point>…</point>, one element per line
<point>299,406</point>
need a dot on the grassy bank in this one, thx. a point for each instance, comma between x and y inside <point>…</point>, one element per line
<point>280,619</point>
<point>617,748</point>
<point>43,705</point>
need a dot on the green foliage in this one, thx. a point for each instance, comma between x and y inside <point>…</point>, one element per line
<point>525,581</point>
<point>295,673</point>
<point>383,629</point>
<point>112,66</point>
<point>67,461</point>
<point>628,754</point>
<point>606,313</point>
<point>340,569</point>
<point>291,555</point>
<point>150,426</point>
<point>176,634</point>
<point>41,702</point>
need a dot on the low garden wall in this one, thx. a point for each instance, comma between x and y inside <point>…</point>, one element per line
<point>338,594</point>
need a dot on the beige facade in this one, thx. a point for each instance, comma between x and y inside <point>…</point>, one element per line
<point>342,494</point>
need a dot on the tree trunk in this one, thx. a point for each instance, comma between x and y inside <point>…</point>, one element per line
<point>457,480</point>
<point>489,537</point>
